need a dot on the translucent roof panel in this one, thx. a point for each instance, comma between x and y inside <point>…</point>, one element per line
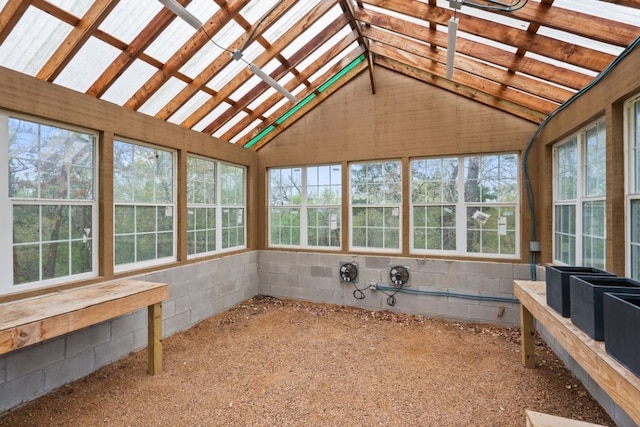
<point>256,10</point>
<point>314,29</point>
<point>294,15</point>
<point>129,82</point>
<point>246,130</point>
<point>209,118</point>
<point>87,65</point>
<point>129,18</point>
<point>189,107</point>
<point>228,125</point>
<point>32,42</point>
<point>165,94</point>
<point>74,7</point>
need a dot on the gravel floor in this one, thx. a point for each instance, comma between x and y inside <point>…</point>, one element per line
<point>271,362</point>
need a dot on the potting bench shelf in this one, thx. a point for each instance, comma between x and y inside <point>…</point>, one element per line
<point>33,320</point>
<point>617,381</point>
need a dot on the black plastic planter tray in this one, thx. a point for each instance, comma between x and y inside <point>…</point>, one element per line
<point>621,320</point>
<point>586,294</point>
<point>557,277</point>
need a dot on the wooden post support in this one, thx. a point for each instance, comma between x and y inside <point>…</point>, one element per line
<point>154,347</point>
<point>527,346</point>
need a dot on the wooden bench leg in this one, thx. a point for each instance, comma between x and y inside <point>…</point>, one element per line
<point>527,346</point>
<point>154,346</point>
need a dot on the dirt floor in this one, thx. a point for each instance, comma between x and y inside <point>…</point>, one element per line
<point>271,362</point>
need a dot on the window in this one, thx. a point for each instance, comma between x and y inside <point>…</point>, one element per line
<point>51,199</point>
<point>143,194</point>
<point>376,205</point>
<point>465,205</point>
<point>304,206</point>
<point>633,187</point>
<point>579,185</point>
<point>232,202</point>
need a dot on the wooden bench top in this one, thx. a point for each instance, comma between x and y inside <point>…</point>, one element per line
<point>617,381</point>
<point>40,318</point>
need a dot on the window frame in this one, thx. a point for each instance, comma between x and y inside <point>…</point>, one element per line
<point>6,215</point>
<point>462,206</point>
<point>395,207</point>
<point>172,207</point>
<point>632,183</point>
<point>581,198</point>
<point>304,207</point>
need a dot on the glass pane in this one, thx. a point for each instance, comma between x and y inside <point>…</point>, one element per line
<point>566,170</point>
<point>26,264</point>
<point>26,223</point>
<point>595,161</point>
<point>125,249</point>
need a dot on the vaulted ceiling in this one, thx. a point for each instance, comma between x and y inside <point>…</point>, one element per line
<point>138,54</point>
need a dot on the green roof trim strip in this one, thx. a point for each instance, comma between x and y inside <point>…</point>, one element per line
<point>259,136</point>
<point>295,108</point>
<point>305,101</point>
<point>344,71</point>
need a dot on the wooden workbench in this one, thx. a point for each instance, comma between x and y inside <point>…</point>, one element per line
<point>33,320</point>
<point>618,382</point>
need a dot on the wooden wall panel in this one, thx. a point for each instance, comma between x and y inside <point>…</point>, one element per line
<point>26,95</point>
<point>405,118</point>
<point>605,99</point>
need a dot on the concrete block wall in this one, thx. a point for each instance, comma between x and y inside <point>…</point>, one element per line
<point>315,277</point>
<point>196,291</point>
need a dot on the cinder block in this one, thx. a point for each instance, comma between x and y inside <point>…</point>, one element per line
<point>69,369</point>
<point>128,324</point>
<point>34,358</point>
<point>183,304</point>
<point>320,271</point>
<point>21,389</point>
<point>87,338</point>
<point>486,269</point>
<point>207,269</point>
<point>3,371</point>
<point>421,278</point>
<point>113,350</point>
<point>176,323</point>
<point>434,266</point>
<point>378,262</point>
<point>488,285</point>
<point>521,272</point>
<point>179,289</point>
<point>454,282</point>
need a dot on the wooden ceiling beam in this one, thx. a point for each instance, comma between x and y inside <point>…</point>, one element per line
<point>502,76</point>
<point>348,8</point>
<point>216,65</point>
<point>629,3</point>
<point>295,59</point>
<point>569,53</point>
<point>476,84</point>
<point>184,54</point>
<point>313,68</point>
<point>529,66</point>
<point>573,22</point>
<point>266,56</point>
<point>133,51</point>
<point>97,13</point>
<point>462,90</point>
<point>353,73</point>
<point>10,15</point>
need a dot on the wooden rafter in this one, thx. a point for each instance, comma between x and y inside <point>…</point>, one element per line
<point>306,74</point>
<point>532,67</point>
<point>133,51</point>
<point>260,61</point>
<point>293,61</point>
<point>200,81</point>
<point>10,16</point>
<point>97,13</point>
<point>319,98</point>
<point>559,50</point>
<point>348,8</point>
<point>182,55</point>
